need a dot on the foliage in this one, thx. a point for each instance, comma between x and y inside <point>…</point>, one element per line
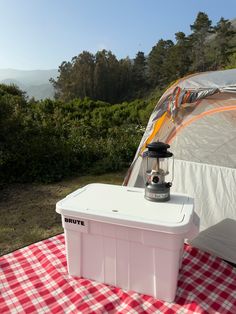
<point>201,29</point>
<point>158,63</point>
<point>48,140</point>
<point>224,45</point>
<point>102,76</point>
<point>232,62</point>
<point>101,105</point>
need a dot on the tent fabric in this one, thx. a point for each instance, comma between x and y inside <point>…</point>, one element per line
<point>197,141</point>
<point>35,280</point>
<point>219,240</point>
<point>187,93</point>
<point>211,187</point>
<point>197,117</point>
<point>213,79</point>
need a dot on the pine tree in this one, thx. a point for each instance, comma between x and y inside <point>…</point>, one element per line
<point>183,56</point>
<point>157,63</point>
<point>139,72</point>
<point>64,82</point>
<point>82,74</point>
<point>201,29</point>
<point>125,82</point>
<point>223,42</point>
<point>106,76</point>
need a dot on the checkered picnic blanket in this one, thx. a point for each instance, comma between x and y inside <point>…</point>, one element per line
<point>35,280</point>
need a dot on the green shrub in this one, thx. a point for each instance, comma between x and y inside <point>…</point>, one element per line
<point>48,140</point>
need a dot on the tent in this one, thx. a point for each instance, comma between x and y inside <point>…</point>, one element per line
<point>197,117</point>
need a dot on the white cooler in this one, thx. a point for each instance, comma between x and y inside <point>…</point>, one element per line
<point>115,236</point>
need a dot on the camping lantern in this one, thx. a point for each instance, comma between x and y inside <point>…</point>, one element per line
<point>156,189</point>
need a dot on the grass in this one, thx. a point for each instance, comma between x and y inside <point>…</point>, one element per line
<point>27,211</point>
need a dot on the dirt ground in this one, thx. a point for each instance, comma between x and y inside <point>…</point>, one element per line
<point>27,211</point>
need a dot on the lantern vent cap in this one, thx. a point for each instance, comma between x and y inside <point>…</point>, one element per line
<point>159,150</point>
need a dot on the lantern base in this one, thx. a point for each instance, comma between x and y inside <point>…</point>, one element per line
<point>157,192</point>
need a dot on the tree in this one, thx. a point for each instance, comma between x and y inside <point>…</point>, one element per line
<point>232,62</point>
<point>63,85</point>
<point>13,107</point>
<point>82,75</point>
<point>223,42</point>
<point>106,76</point>
<point>139,73</point>
<point>75,78</point>
<point>113,76</point>
<point>201,29</point>
<point>157,63</point>
<point>182,54</point>
<point>101,75</point>
<point>125,86</point>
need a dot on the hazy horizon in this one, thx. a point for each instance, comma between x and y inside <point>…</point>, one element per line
<point>34,82</point>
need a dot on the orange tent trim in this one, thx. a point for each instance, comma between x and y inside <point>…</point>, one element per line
<point>190,121</point>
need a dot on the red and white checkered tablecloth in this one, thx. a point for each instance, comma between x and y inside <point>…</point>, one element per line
<point>35,280</point>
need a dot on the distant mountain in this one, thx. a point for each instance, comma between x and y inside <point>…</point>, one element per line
<point>34,82</point>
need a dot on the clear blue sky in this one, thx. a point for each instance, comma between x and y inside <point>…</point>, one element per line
<point>40,34</point>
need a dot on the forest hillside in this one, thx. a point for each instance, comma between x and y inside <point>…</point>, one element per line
<point>101,105</point>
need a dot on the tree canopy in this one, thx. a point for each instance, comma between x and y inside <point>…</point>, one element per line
<point>102,76</point>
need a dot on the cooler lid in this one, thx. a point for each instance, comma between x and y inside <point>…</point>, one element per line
<point>127,206</point>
